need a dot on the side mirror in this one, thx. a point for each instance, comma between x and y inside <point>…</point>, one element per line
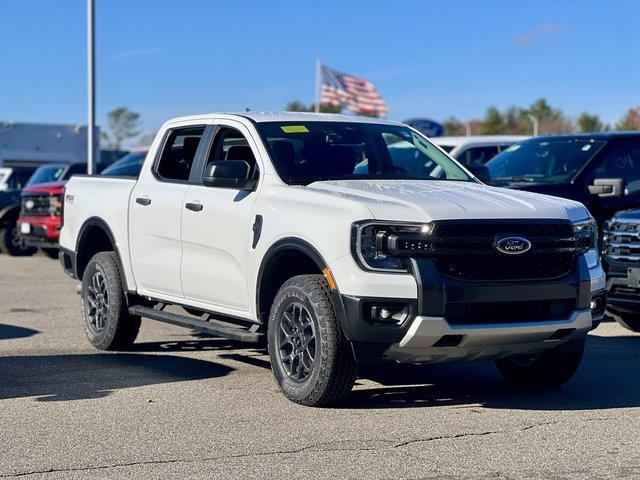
<point>607,187</point>
<point>481,171</point>
<point>228,174</point>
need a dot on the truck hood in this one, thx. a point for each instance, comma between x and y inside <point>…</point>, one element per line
<point>421,200</point>
<point>53,188</point>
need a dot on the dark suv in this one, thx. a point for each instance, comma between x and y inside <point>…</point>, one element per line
<point>600,170</point>
<point>621,260</point>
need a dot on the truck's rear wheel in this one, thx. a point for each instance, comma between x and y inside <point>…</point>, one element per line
<point>107,322</point>
<point>13,243</point>
<point>545,370</point>
<point>311,359</point>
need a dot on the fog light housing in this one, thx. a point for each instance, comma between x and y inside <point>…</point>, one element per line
<point>388,314</point>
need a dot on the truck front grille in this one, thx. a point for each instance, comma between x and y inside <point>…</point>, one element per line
<point>35,205</point>
<point>621,241</point>
<point>508,312</point>
<point>465,250</point>
<point>494,267</point>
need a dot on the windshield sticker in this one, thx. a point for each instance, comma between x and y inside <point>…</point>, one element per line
<point>586,148</point>
<point>295,129</point>
<point>513,148</point>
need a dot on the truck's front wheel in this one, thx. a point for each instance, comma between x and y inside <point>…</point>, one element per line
<point>545,370</point>
<point>311,359</point>
<point>12,242</point>
<point>107,322</point>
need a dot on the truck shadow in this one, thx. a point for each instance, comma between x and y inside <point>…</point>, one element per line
<point>609,377</point>
<point>7,332</point>
<point>75,377</point>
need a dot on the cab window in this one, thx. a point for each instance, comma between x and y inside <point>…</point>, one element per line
<point>179,153</point>
<point>230,144</point>
<point>622,161</point>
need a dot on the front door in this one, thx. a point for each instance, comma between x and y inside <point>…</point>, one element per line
<point>216,230</point>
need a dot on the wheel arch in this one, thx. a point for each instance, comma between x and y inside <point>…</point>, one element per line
<point>8,212</point>
<point>287,258</point>
<point>95,236</point>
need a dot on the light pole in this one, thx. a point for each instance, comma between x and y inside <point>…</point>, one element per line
<point>91,89</point>
<point>536,124</point>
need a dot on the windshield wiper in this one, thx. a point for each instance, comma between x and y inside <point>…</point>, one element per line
<point>515,179</point>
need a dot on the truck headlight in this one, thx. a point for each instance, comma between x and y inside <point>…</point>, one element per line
<point>55,204</point>
<point>386,246</point>
<point>586,235</point>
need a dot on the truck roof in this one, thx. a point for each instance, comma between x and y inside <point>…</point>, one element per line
<point>259,117</point>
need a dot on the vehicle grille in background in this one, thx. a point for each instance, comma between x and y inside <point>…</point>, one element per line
<point>622,241</point>
<point>623,291</point>
<point>508,312</point>
<point>40,205</point>
<point>467,251</point>
<point>504,267</point>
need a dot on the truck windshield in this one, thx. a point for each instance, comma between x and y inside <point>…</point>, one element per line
<point>47,174</point>
<point>308,152</point>
<point>542,161</point>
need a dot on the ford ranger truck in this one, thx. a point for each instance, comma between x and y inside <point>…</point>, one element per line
<point>338,240</point>
<point>621,258</point>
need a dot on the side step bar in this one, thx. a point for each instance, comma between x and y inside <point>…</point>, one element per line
<point>214,328</point>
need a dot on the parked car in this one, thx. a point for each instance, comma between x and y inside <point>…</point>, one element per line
<point>621,259</point>
<point>12,180</point>
<point>40,218</point>
<point>478,148</point>
<point>260,225</point>
<point>600,170</point>
<point>127,166</point>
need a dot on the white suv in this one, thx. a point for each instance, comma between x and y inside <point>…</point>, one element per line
<point>320,235</point>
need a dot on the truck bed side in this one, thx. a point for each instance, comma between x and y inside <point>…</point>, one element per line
<point>101,199</point>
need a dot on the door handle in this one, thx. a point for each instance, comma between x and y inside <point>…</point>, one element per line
<point>143,201</point>
<point>194,207</point>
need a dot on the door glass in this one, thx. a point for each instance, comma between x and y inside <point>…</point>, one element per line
<point>477,155</point>
<point>231,144</point>
<point>622,161</point>
<point>178,153</point>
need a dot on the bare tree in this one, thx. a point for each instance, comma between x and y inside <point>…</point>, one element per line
<point>123,124</point>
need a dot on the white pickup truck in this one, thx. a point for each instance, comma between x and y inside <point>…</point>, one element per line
<point>339,241</point>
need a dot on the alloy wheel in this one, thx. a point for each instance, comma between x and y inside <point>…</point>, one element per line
<point>297,341</point>
<point>98,301</point>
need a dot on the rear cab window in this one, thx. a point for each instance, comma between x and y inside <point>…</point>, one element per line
<point>178,153</point>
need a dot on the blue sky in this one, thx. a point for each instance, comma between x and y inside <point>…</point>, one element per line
<point>174,57</point>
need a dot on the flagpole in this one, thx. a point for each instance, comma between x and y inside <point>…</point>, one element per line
<point>318,86</point>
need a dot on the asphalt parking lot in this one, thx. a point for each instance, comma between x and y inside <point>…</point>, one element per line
<point>186,406</point>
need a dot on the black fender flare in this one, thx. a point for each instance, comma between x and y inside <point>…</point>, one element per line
<point>97,222</point>
<point>300,245</point>
<point>7,210</point>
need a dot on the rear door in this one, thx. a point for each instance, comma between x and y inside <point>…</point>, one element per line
<point>217,227</point>
<point>156,213</point>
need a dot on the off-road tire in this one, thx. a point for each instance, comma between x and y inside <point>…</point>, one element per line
<point>50,252</point>
<point>334,369</point>
<point>630,321</point>
<point>549,369</point>
<point>119,328</point>
<point>8,245</point>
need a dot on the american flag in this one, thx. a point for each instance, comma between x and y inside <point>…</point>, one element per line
<point>355,93</point>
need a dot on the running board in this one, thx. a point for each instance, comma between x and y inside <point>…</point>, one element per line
<point>233,333</point>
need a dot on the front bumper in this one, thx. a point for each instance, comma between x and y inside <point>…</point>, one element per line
<point>423,341</point>
<point>44,230</point>
<point>435,329</point>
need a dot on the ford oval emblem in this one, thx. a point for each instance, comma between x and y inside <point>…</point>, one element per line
<point>512,245</point>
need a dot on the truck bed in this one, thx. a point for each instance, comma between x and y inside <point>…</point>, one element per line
<point>99,198</point>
